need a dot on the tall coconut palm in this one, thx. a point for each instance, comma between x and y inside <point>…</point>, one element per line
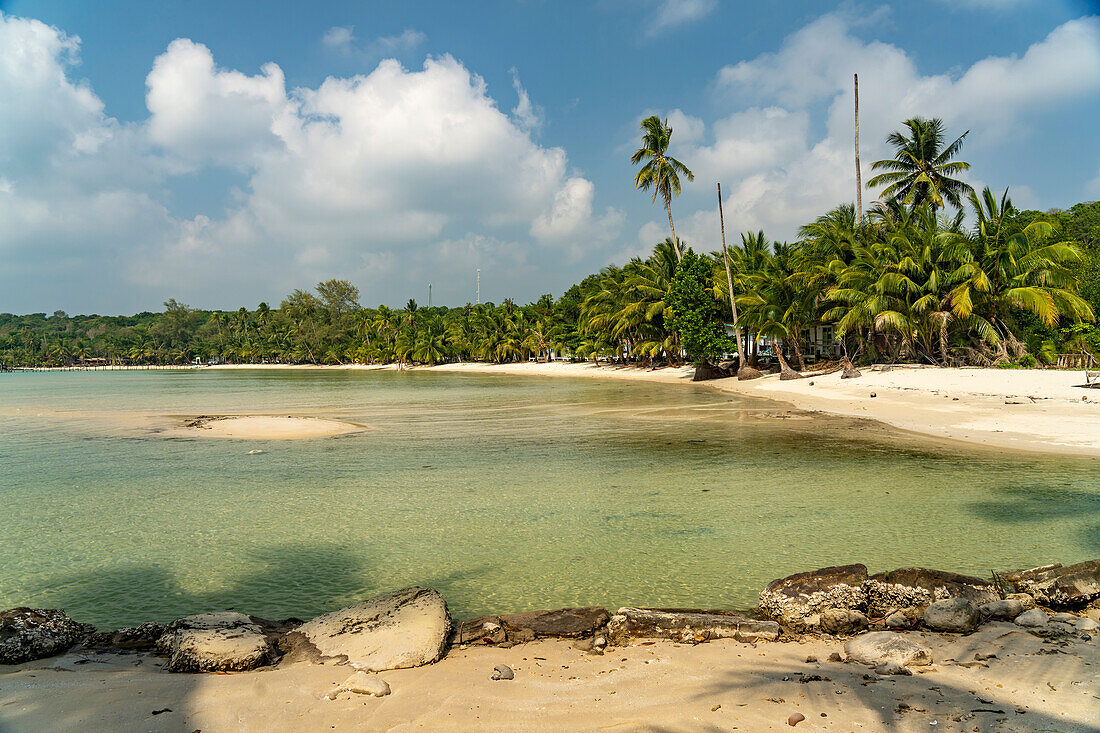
<point>922,167</point>
<point>1025,270</point>
<point>661,171</point>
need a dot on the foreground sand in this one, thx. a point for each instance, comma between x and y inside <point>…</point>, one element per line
<point>1029,685</point>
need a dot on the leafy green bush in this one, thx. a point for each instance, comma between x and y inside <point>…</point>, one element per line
<point>696,315</point>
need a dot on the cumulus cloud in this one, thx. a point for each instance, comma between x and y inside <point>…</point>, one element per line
<point>201,113</point>
<point>379,178</point>
<point>787,156</point>
<point>672,13</point>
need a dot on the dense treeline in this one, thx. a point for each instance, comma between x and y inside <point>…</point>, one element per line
<point>907,284</point>
<point>910,279</point>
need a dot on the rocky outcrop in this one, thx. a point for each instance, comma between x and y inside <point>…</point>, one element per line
<point>215,642</point>
<point>904,587</point>
<point>27,634</point>
<point>565,623</point>
<point>686,625</point>
<point>406,628</point>
<point>798,600</point>
<point>480,630</point>
<point>1058,586</point>
<point>143,637</point>
<point>516,628</point>
<point>957,615</point>
<point>886,648</point>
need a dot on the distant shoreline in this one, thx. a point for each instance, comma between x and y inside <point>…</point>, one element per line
<point>1034,410</point>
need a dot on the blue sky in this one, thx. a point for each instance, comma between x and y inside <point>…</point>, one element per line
<point>225,153</point>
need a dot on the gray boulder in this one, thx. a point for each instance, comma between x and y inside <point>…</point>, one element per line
<point>215,642</point>
<point>406,628</point>
<point>904,618</point>
<point>1035,618</point>
<point>842,621</point>
<point>1007,609</point>
<point>887,647</point>
<point>798,600</point>
<point>27,634</point>
<point>686,625</point>
<point>957,615</point>
<point>1086,626</point>
<point>905,587</point>
<point>1058,586</point>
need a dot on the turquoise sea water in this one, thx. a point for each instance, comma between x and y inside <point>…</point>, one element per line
<point>505,493</point>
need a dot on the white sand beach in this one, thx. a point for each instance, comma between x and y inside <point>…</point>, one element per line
<point>723,685</point>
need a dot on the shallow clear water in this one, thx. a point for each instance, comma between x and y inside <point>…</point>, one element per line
<point>505,493</point>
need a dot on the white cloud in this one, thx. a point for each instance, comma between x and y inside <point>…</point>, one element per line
<point>341,39</point>
<point>529,115</point>
<point>672,13</point>
<point>345,179</point>
<point>686,128</point>
<point>780,168</point>
<point>201,113</point>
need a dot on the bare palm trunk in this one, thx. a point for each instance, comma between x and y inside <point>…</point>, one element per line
<point>675,241</point>
<point>859,173</point>
<point>743,370</point>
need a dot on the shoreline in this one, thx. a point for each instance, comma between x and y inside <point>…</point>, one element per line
<point>1039,411</point>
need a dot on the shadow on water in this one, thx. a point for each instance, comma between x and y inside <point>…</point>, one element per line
<point>1021,505</point>
<point>298,581</point>
<point>290,580</point>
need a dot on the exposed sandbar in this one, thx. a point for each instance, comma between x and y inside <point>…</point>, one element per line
<point>262,427</point>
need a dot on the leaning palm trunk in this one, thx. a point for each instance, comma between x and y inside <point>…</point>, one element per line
<point>785,372</point>
<point>796,352</point>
